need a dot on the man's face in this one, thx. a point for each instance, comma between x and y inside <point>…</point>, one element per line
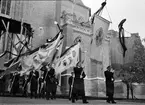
<point>112,70</point>
<point>79,65</point>
<point>109,68</point>
<point>53,65</point>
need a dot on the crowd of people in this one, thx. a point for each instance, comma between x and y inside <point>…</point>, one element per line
<point>44,84</point>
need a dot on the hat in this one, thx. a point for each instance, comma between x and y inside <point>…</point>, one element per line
<point>109,67</point>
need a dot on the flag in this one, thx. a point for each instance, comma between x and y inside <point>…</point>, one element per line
<point>121,36</point>
<point>98,12</point>
<point>13,68</point>
<point>68,59</point>
<point>41,55</point>
<point>46,55</point>
<point>58,51</point>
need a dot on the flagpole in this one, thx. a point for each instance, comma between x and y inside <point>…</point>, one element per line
<point>73,5</point>
<point>12,83</point>
<point>72,84</point>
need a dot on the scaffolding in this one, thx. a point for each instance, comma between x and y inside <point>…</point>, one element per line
<point>16,39</point>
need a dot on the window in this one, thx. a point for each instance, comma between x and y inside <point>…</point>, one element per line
<point>5,6</point>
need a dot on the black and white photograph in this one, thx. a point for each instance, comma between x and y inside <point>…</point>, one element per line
<point>72,52</point>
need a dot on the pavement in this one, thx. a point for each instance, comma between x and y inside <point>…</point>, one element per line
<point>63,101</point>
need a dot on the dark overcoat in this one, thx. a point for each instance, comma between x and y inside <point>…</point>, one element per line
<point>109,83</point>
<point>15,84</point>
<point>33,79</point>
<point>78,85</point>
<point>49,80</point>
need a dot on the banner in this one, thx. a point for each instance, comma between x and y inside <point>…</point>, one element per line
<point>58,52</point>
<point>44,54</point>
<point>68,60</point>
<point>121,36</point>
<point>14,68</point>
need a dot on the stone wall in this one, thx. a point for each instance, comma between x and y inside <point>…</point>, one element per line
<point>100,58</point>
<point>41,15</point>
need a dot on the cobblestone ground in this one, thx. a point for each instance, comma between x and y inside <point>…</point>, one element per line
<point>23,100</point>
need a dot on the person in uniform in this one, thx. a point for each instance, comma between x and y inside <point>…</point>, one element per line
<point>78,84</point>
<point>109,84</point>
<point>2,85</point>
<point>41,78</point>
<point>25,86</point>
<point>33,79</point>
<point>44,69</point>
<point>49,82</point>
<point>70,84</point>
<point>54,89</point>
<point>15,83</point>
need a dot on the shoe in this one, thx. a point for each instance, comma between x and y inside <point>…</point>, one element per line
<point>108,101</point>
<point>73,101</point>
<point>113,102</point>
<point>85,102</point>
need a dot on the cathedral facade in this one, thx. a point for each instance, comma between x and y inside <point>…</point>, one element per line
<point>74,19</point>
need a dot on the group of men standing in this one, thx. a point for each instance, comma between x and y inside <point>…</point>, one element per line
<point>46,83</point>
<point>76,84</point>
<point>41,86</point>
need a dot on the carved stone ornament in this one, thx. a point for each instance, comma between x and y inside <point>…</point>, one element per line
<point>69,17</point>
<point>77,39</point>
<point>99,36</point>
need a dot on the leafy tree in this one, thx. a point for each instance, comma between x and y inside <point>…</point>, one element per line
<point>135,71</point>
<point>138,66</point>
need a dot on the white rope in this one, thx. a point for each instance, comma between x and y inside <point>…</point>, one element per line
<point>127,31</point>
<point>108,14</point>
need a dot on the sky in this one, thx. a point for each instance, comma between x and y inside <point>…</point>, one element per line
<point>131,10</point>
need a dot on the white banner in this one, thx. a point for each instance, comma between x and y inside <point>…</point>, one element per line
<point>70,59</point>
<point>42,55</point>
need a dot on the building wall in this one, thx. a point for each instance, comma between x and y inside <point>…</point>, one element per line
<point>81,11</point>
<point>99,56</point>
<point>116,49</point>
<point>117,59</point>
<point>40,14</point>
<point>73,29</point>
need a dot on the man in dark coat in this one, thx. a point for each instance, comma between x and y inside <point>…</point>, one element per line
<point>109,84</point>
<point>33,79</point>
<point>78,84</point>
<point>2,85</point>
<point>25,86</point>
<point>54,85</point>
<point>40,84</point>
<point>15,83</point>
<point>42,81</point>
<point>49,82</point>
